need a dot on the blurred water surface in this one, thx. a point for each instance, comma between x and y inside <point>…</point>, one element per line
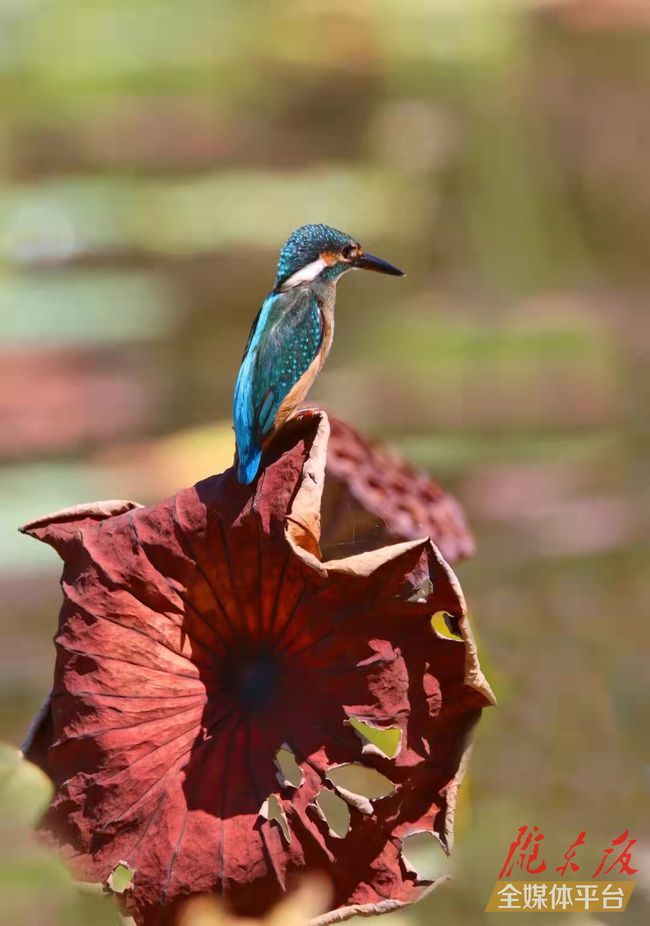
<point>154,156</point>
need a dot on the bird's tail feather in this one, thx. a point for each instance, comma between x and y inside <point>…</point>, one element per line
<point>247,467</point>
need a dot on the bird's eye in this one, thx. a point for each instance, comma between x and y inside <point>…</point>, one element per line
<point>347,251</point>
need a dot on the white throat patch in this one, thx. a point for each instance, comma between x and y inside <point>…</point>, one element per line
<point>305,275</point>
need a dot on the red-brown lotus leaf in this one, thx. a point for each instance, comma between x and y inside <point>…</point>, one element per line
<point>372,497</point>
<point>199,636</point>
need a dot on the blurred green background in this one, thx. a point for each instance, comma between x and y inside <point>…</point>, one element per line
<point>153,157</point>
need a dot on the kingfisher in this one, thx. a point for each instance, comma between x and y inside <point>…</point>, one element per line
<point>292,336</point>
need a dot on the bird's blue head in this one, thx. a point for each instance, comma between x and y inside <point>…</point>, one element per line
<point>319,252</point>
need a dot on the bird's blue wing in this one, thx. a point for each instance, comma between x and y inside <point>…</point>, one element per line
<point>284,340</point>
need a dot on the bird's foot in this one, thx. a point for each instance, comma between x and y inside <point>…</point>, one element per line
<point>309,412</point>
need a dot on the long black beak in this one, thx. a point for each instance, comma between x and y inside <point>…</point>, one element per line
<point>370,262</point>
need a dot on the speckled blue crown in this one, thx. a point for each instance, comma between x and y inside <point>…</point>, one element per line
<point>304,245</point>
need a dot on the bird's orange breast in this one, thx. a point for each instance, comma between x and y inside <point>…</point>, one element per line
<point>298,392</point>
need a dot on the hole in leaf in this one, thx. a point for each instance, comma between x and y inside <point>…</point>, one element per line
<point>385,741</point>
<point>360,785</point>
<point>424,856</point>
<point>421,593</point>
<point>334,811</point>
<point>121,878</point>
<point>289,773</point>
<point>272,811</point>
<point>446,626</point>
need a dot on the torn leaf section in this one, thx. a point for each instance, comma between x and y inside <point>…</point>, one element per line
<point>121,878</point>
<point>360,785</point>
<point>289,773</point>
<point>384,742</point>
<point>334,811</point>
<point>446,625</point>
<point>424,856</point>
<point>272,811</point>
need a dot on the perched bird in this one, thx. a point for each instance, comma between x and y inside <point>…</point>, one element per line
<point>291,336</point>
